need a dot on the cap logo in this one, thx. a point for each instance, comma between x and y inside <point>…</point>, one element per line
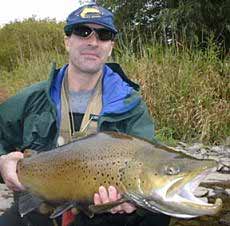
<point>91,12</point>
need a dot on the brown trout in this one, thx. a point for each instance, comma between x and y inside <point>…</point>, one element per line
<point>152,176</point>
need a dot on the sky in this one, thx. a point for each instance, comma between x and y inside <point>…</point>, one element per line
<point>11,10</point>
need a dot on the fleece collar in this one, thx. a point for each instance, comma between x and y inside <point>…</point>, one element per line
<point>118,95</point>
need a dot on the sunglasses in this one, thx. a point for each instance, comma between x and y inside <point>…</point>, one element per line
<point>102,34</point>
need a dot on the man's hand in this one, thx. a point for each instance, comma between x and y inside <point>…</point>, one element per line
<point>104,196</point>
<point>8,168</point>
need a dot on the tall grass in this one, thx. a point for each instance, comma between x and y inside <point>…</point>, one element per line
<point>187,90</point>
<point>30,71</point>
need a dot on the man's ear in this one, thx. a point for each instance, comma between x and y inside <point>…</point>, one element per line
<point>66,41</point>
<point>111,50</point>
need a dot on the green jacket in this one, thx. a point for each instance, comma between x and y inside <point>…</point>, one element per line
<point>29,119</point>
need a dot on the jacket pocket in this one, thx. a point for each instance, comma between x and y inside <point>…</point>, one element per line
<point>38,130</point>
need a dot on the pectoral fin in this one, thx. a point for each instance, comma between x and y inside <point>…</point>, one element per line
<point>101,208</point>
<point>27,203</point>
<point>62,209</point>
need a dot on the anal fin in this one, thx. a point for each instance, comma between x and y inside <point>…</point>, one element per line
<point>62,209</point>
<point>28,202</point>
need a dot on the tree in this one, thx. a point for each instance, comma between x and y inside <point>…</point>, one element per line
<point>190,21</point>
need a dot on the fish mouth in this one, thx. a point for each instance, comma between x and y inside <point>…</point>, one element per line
<point>178,199</point>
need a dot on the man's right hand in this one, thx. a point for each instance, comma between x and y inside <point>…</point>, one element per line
<point>8,170</point>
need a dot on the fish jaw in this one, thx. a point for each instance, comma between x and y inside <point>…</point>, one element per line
<point>177,199</point>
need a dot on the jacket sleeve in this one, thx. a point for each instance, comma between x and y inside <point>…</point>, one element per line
<point>10,129</point>
<point>13,114</point>
<point>10,124</point>
<point>141,124</point>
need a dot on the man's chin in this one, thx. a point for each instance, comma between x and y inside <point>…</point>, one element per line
<point>92,67</point>
<point>92,70</point>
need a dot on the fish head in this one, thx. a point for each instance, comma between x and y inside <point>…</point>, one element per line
<point>166,184</point>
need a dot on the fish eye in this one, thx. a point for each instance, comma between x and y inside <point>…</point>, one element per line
<point>172,170</point>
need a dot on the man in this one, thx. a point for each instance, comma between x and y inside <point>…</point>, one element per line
<point>83,97</point>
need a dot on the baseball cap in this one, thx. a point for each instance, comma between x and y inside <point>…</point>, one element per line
<point>90,14</point>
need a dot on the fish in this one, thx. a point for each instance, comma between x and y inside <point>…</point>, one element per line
<point>150,175</point>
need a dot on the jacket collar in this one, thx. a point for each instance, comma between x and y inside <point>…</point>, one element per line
<point>119,93</point>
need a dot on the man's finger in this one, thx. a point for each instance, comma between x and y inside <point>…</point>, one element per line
<point>112,193</point>
<point>113,196</point>
<point>103,194</point>
<point>13,183</point>
<point>97,199</point>
<point>128,207</point>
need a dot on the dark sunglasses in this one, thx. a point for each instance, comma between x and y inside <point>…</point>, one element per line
<point>102,34</point>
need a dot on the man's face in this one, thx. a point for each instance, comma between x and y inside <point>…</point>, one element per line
<point>88,55</point>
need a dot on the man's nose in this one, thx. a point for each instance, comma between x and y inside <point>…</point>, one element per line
<point>93,39</point>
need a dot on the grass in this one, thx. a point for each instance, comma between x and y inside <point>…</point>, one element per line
<point>187,91</point>
<point>30,71</point>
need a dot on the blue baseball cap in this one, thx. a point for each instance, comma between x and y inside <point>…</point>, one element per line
<point>90,14</point>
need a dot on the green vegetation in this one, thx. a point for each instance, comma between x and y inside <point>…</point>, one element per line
<point>176,19</point>
<point>187,90</point>
<point>21,41</point>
